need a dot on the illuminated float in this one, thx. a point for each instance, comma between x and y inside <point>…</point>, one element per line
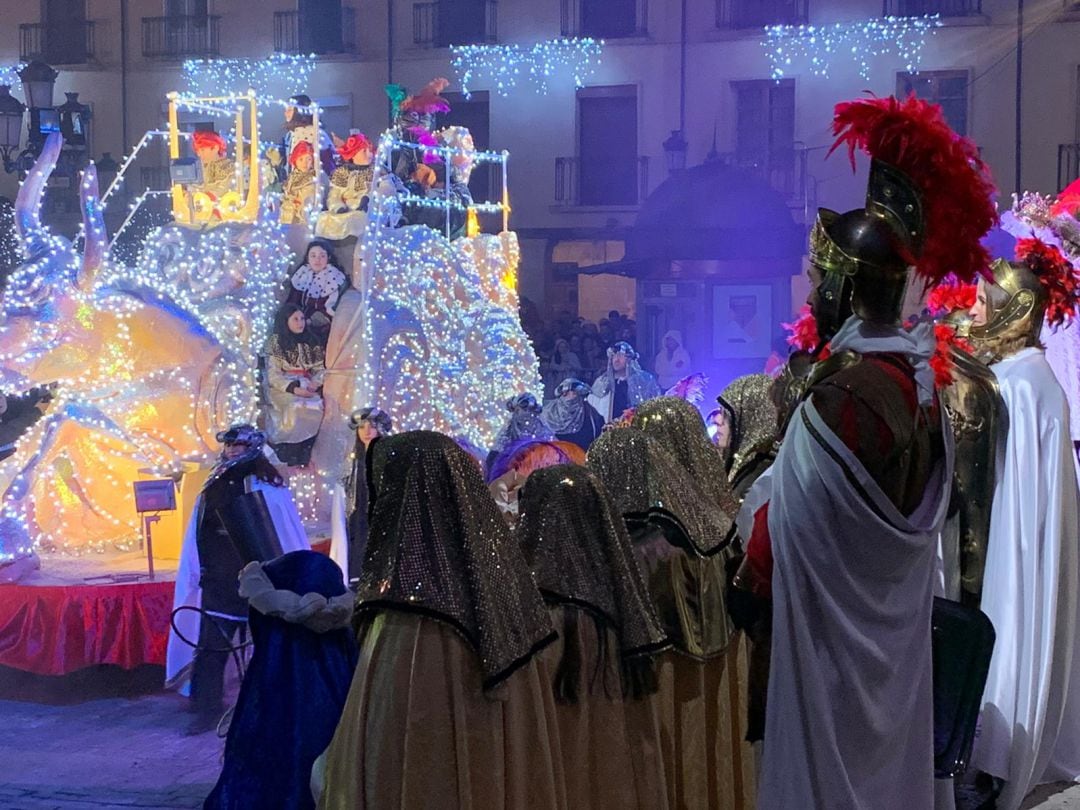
<point>150,360</point>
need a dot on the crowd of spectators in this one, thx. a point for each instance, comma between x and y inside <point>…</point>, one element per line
<point>569,346</point>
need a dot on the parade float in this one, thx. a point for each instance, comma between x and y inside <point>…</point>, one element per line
<point>147,360</point>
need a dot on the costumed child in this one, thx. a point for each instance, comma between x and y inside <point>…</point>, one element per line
<point>295,367</point>
<point>350,184</point>
<point>218,174</point>
<point>316,285</point>
<point>298,193</point>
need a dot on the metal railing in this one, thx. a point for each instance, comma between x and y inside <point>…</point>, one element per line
<point>67,43</point>
<point>917,8</point>
<point>759,13</point>
<point>582,18</point>
<point>1068,164</point>
<point>178,37</point>
<point>441,24</point>
<point>288,34</point>
<point>600,183</point>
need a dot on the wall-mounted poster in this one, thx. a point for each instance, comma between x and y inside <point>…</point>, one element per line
<point>742,320</point>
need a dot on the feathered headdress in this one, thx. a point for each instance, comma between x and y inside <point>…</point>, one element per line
<point>429,100</point>
<point>691,388</point>
<point>952,295</point>
<point>1068,201</point>
<point>803,332</point>
<point>1057,276</point>
<point>912,137</point>
<point>397,94</point>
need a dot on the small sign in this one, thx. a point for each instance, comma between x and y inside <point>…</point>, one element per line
<point>669,290</point>
<point>155,496</point>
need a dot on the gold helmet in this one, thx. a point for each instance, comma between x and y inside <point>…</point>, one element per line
<point>1040,286</point>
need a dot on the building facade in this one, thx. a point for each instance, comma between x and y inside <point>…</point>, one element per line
<point>585,159</point>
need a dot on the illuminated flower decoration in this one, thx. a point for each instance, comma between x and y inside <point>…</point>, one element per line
<point>1057,275</point>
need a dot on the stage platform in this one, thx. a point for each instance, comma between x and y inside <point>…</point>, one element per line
<point>88,626</point>
<point>87,611</point>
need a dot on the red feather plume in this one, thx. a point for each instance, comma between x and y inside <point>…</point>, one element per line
<point>1068,201</point>
<point>1057,276</point>
<point>957,192</point>
<point>942,361</point>
<point>951,295</point>
<point>803,333</point>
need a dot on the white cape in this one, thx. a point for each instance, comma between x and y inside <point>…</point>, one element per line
<point>850,718</point>
<point>178,654</point>
<point>1030,722</point>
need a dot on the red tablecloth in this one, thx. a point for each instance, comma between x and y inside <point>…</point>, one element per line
<point>56,630</point>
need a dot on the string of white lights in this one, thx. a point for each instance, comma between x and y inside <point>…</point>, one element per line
<point>818,47</point>
<point>503,67</point>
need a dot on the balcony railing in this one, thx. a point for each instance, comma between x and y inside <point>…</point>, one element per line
<point>759,13</point>
<point>292,34</point>
<point>444,23</point>
<point>1068,164</point>
<point>67,43</point>
<point>599,183</point>
<point>605,19</point>
<point>178,37</point>
<point>946,8</point>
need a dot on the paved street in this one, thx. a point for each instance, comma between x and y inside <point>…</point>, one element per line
<point>119,753</point>
<point>104,754</point>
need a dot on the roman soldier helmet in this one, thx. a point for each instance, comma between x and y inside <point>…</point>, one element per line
<point>928,203</point>
<point>1040,285</point>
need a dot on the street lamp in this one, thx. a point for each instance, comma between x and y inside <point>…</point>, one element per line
<point>38,80</point>
<point>675,151</point>
<point>11,115</point>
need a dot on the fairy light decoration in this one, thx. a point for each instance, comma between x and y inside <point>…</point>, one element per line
<point>819,47</point>
<point>503,67</point>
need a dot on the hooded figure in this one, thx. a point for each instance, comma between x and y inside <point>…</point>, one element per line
<point>672,362</point>
<point>449,706</point>
<point>679,537</point>
<point>602,666</point>
<point>753,425</point>
<point>624,385</point>
<point>295,685</point>
<point>525,423</point>
<point>570,416</point>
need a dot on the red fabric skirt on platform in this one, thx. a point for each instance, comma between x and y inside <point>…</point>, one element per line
<point>59,629</point>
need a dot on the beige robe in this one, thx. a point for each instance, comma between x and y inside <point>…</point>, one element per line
<point>418,732</point>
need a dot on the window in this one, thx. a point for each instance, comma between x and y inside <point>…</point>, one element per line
<point>608,146</point>
<point>604,19</point>
<point>65,32</point>
<point>945,87</point>
<point>764,121</point>
<point>320,26</point>
<point>464,22</point>
<point>187,8</point>
<point>758,13</point>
